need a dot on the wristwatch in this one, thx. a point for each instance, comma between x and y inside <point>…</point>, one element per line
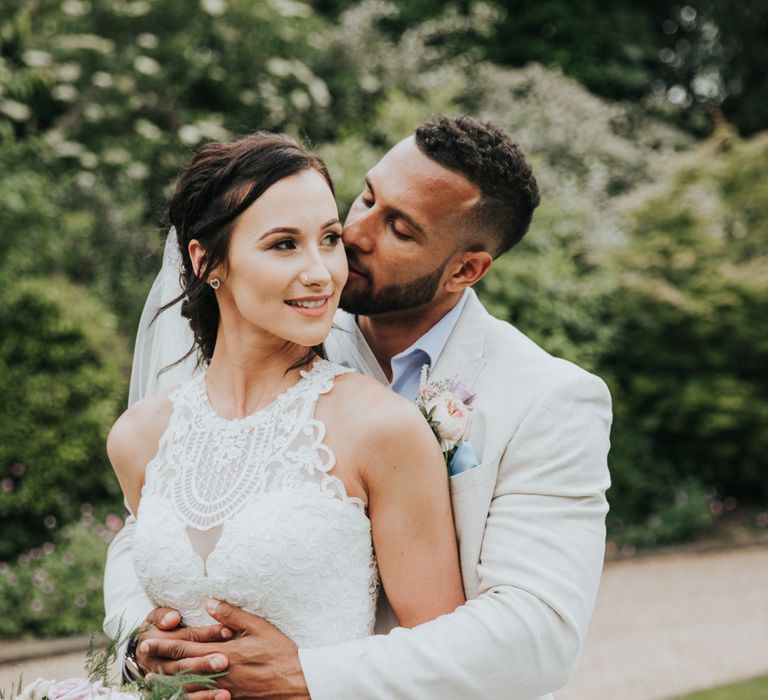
<point>132,672</point>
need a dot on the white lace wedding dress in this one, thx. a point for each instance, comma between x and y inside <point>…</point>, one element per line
<point>246,511</point>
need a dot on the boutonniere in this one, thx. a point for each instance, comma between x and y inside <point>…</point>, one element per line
<point>446,406</point>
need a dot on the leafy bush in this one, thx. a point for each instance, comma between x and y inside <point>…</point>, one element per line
<point>86,226</point>
<point>55,589</point>
<point>550,288</point>
<point>672,317</point>
<point>62,384</point>
<point>682,513</point>
<point>689,354</point>
<point>651,504</point>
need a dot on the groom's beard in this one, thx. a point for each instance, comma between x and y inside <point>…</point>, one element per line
<point>364,301</point>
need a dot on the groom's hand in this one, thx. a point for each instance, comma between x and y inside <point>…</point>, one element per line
<point>263,662</point>
<point>164,624</point>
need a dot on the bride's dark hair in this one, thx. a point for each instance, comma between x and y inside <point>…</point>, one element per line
<point>220,183</point>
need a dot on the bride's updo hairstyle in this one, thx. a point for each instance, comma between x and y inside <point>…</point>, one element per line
<point>221,182</point>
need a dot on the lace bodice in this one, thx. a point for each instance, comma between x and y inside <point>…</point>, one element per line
<point>247,511</point>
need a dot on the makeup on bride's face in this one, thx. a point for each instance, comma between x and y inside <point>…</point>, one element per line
<point>286,264</point>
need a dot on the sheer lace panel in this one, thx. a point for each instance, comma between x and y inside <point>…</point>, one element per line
<point>247,511</point>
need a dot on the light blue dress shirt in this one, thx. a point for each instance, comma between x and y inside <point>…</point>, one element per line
<point>406,366</point>
<point>347,346</point>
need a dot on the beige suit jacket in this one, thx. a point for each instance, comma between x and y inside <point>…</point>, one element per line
<point>530,525</point>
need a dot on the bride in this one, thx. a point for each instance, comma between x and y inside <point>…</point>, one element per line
<point>270,479</point>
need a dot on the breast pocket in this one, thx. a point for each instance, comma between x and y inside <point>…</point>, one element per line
<point>472,477</point>
<point>471,493</point>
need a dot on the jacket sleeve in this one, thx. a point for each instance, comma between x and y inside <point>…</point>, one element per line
<point>539,570</point>
<point>124,599</point>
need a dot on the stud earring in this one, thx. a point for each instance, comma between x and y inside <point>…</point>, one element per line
<point>215,283</point>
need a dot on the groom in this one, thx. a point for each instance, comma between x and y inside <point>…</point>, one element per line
<point>529,512</point>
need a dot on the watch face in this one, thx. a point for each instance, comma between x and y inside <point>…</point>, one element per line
<point>131,669</point>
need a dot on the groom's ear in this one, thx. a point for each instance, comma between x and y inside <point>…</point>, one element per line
<point>468,269</point>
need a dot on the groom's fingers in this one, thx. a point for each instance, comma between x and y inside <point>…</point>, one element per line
<point>164,618</point>
<point>211,663</point>
<point>177,649</point>
<point>208,633</point>
<point>209,695</point>
<point>168,619</point>
<point>233,617</point>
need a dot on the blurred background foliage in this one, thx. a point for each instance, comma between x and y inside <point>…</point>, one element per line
<point>646,262</point>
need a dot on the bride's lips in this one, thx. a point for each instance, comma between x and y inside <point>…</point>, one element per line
<point>318,308</point>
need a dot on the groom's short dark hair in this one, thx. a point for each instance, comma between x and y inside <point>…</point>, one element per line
<point>489,159</point>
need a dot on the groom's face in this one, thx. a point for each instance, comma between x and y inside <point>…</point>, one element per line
<point>402,232</point>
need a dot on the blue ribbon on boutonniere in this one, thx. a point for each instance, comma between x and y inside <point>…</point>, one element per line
<point>464,458</point>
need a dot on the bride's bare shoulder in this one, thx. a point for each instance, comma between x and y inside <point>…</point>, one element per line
<point>134,437</point>
<point>376,411</point>
<point>381,433</point>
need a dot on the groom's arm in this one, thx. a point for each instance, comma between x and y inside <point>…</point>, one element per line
<point>124,597</point>
<point>126,606</point>
<point>539,570</point>
<point>540,566</point>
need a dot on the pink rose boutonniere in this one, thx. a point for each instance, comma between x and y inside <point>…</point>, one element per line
<point>446,406</point>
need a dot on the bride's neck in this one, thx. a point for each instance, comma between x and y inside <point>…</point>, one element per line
<point>247,371</point>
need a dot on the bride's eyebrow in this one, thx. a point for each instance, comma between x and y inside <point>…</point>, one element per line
<point>293,231</point>
<point>281,229</point>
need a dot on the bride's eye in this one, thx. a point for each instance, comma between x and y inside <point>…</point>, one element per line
<point>332,239</point>
<point>285,244</point>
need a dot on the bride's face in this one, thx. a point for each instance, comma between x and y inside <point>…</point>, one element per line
<point>286,264</point>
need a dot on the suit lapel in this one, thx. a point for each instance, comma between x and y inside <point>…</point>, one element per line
<point>462,357</point>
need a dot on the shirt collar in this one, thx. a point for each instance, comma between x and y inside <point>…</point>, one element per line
<point>431,344</point>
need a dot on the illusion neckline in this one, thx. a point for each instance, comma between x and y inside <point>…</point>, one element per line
<point>304,378</point>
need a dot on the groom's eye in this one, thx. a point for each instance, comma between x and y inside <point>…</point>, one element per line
<point>367,199</point>
<point>398,233</point>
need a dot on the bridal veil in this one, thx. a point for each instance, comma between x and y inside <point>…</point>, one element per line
<point>160,344</point>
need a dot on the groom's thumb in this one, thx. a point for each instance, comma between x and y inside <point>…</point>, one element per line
<point>229,615</point>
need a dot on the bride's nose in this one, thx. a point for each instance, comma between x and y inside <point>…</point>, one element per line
<point>315,274</point>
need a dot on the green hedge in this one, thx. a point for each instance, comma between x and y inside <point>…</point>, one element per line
<point>62,384</point>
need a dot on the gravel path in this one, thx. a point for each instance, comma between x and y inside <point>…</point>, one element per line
<point>664,624</point>
<point>668,624</point>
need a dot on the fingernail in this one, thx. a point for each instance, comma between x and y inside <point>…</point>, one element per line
<point>167,619</point>
<point>211,604</point>
<point>220,696</point>
<point>144,647</point>
<point>218,663</point>
<point>227,633</point>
